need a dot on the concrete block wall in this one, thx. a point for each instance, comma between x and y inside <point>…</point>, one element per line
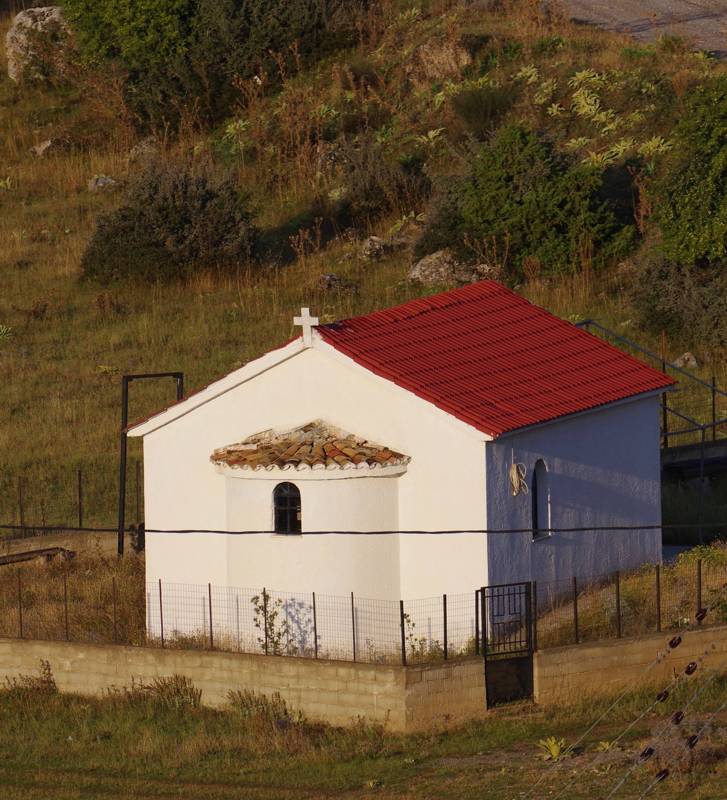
<point>567,674</point>
<point>402,698</point>
<point>333,691</point>
<point>444,693</point>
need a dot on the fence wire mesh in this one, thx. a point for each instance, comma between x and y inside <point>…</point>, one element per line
<point>63,603</point>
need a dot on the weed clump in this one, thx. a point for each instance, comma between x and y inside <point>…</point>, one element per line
<point>176,218</point>
<point>30,687</point>
<point>172,693</point>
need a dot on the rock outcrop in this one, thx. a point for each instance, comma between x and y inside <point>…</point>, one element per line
<point>443,267</point>
<point>30,29</point>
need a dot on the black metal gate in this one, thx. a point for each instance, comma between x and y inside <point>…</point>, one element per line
<point>507,641</point>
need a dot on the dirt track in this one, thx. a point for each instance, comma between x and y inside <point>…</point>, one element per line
<point>701,22</point>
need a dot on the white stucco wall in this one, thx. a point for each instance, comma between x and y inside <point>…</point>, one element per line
<point>442,488</point>
<point>603,469</point>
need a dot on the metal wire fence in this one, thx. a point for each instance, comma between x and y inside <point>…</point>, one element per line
<point>63,604</point>
<point>652,599</point>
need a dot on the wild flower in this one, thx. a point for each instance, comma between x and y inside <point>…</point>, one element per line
<point>430,138</point>
<point>587,77</point>
<point>552,749</point>
<point>577,144</point>
<point>654,146</point>
<point>545,91</point>
<point>528,74</point>
<point>585,103</point>
<point>555,110</point>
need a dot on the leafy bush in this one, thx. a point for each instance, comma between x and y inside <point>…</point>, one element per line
<point>691,193</point>
<point>376,182</point>
<point>522,203</point>
<point>687,301</point>
<point>175,220</point>
<point>174,51</point>
<point>481,108</point>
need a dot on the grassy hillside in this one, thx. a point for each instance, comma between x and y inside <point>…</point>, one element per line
<point>600,98</point>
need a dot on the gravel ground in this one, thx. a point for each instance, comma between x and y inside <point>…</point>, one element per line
<point>703,23</point>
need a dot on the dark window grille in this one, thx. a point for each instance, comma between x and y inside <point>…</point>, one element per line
<point>286,501</point>
<point>540,498</point>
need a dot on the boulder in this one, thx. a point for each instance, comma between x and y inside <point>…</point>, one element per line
<point>39,150</point>
<point>22,40</point>
<point>436,60</point>
<point>374,247</point>
<point>331,282</point>
<point>101,183</point>
<point>687,361</point>
<point>443,267</point>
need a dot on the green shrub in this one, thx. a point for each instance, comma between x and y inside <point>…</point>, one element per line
<point>522,202</point>
<point>175,219</point>
<point>188,53</point>
<point>482,108</point>
<point>376,182</point>
<point>691,192</point>
<point>688,301</point>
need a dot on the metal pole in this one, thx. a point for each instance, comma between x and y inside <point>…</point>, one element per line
<point>65,605</point>
<point>535,614</point>
<point>161,612</point>
<point>209,597</point>
<point>79,496</point>
<point>699,589</point>
<point>265,618</point>
<point>113,600</point>
<point>618,604</point>
<point>714,408</point>
<point>658,598</point>
<point>20,606</point>
<point>576,634</point>
<point>138,491</point>
<point>403,632</point>
<point>701,489</point>
<point>21,505</point>
<point>125,381</point>
<point>315,627</point>
<point>444,615</point>
<point>664,413</point>
<point>483,620</point>
<point>122,463</point>
<point>477,622</point>
<point>353,626</point>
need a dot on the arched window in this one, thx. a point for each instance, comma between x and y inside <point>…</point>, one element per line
<point>540,497</point>
<point>286,503</point>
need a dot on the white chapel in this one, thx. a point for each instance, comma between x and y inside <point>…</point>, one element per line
<point>463,439</point>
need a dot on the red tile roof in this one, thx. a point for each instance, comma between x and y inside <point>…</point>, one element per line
<point>317,445</point>
<point>491,358</point>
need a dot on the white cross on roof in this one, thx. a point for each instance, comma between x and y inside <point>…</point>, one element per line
<point>307,323</point>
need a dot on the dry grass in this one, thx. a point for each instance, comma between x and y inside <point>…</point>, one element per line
<point>147,741</point>
<point>597,618</point>
<point>91,598</point>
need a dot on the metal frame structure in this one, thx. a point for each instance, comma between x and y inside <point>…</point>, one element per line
<point>126,380</point>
